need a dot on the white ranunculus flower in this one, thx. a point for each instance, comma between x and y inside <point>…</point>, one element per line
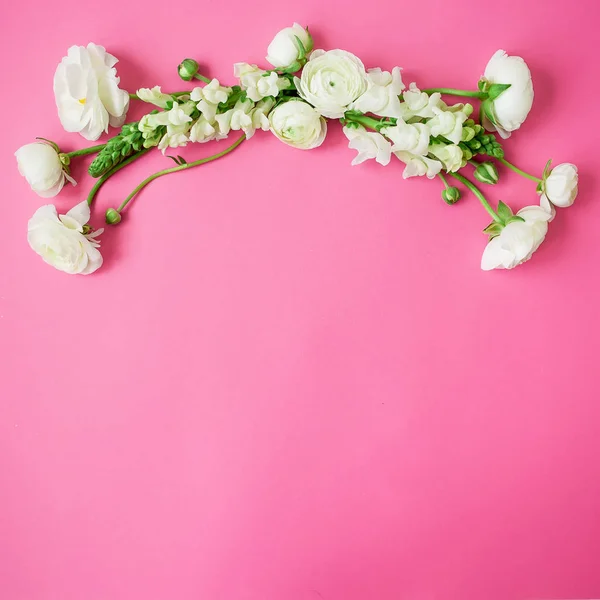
<point>256,85</point>
<point>381,98</point>
<point>512,106</point>
<point>284,51</point>
<point>331,81</point>
<point>449,155</point>
<point>154,96</point>
<point>408,138</point>
<point>298,124</point>
<point>419,104</point>
<point>40,164</point>
<point>560,187</point>
<point>417,166</point>
<point>369,144</point>
<point>448,124</point>
<point>86,88</point>
<point>64,241</point>
<point>517,242</point>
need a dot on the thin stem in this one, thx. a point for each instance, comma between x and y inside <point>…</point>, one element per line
<point>369,122</point>
<point>108,174</point>
<point>519,171</point>
<point>444,180</point>
<point>454,92</point>
<point>84,151</point>
<point>202,78</point>
<point>196,163</point>
<point>473,188</point>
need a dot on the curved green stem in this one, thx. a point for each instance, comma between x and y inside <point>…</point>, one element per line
<point>454,92</point>
<point>84,151</point>
<point>444,180</point>
<point>473,188</point>
<point>182,167</point>
<point>519,171</point>
<point>202,78</point>
<point>108,174</point>
<point>369,122</point>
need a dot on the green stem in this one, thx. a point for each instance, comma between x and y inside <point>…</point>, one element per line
<point>202,78</point>
<point>179,168</point>
<point>454,92</point>
<point>108,174</point>
<point>369,122</point>
<point>473,188</point>
<point>444,180</point>
<point>84,151</point>
<point>519,171</point>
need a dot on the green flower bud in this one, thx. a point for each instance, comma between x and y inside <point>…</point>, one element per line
<point>475,144</point>
<point>468,133</point>
<point>467,109</point>
<point>112,216</point>
<point>486,172</point>
<point>65,159</point>
<point>187,69</point>
<point>451,195</point>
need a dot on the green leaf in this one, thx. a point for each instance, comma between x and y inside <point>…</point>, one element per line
<point>173,158</point>
<point>496,89</point>
<point>486,107</point>
<point>547,169</point>
<point>493,229</point>
<point>515,218</point>
<point>182,160</point>
<point>302,54</point>
<point>504,211</point>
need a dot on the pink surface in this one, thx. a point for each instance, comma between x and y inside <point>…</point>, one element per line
<point>290,380</point>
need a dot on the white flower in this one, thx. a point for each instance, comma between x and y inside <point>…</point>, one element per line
<point>260,114</point>
<point>62,240</point>
<point>202,131</point>
<point>419,104</point>
<point>381,98</point>
<point>450,155</point>
<point>408,138</point>
<point>284,51</point>
<point>154,96</point>
<point>512,106</point>
<point>417,166</point>
<point>517,241</point>
<point>447,123</point>
<point>209,97</point>
<point>86,88</point>
<point>40,164</point>
<point>369,144</point>
<point>298,124</point>
<point>256,83</point>
<point>331,81</point>
<point>560,187</point>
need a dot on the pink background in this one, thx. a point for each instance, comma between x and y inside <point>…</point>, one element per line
<point>291,380</point>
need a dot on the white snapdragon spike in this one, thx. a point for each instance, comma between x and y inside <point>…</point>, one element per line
<point>40,164</point>
<point>180,113</point>
<point>417,166</point>
<point>179,123</point>
<point>448,124</point>
<point>284,51</point>
<point>64,241</point>
<point>560,187</point>
<point>209,97</point>
<point>258,85</point>
<point>518,240</point>
<point>260,114</point>
<point>154,96</point>
<point>509,109</point>
<point>419,104</point>
<point>408,138</point>
<point>368,144</point>
<point>298,124</point>
<point>236,119</point>
<point>450,155</point>
<point>86,89</point>
<point>331,81</point>
<point>382,95</point>
<point>202,131</point>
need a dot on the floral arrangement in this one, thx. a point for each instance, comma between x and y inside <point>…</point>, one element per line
<point>293,100</point>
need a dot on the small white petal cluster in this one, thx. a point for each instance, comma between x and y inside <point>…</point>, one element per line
<point>258,83</point>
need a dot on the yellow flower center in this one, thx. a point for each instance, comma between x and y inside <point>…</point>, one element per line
<point>81,101</point>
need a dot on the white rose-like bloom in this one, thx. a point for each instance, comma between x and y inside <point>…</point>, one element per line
<point>60,239</point>
<point>381,98</point>
<point>449,155</point>
<point>284,50</point>
<point>331,81</point>
<point>408,138</point>
<point>86,89</point>
<point>369,144</point>
<point>512,106</point>
<point>560,187</point>
<point>256,86</point>
<point>298,124</point>
<point>154,96</point>
<point>40,164</point>
<point>416,165</point>
<point>517,241</point>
